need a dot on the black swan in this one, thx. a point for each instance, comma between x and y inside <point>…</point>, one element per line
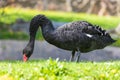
<point>78,36</point>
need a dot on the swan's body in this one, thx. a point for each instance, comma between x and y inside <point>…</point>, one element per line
<point>75,36</point>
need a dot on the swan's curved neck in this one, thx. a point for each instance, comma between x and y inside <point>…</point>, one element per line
<point>47,30</point>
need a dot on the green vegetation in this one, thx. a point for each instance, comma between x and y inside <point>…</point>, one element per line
<point>18,35</point>
<point>55,70</point>
<point>9,15</point>
<point>117,43</point>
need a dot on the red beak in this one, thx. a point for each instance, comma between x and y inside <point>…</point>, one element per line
<point>25,58</point>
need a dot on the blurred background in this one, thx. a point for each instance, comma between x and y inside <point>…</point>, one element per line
<point>15,16</point>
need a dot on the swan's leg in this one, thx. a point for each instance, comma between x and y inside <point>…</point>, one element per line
<point>72,56</point>
<point>78,56</point>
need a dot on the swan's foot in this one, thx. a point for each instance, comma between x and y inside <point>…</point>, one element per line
<point>78,56</point>
<point>72,56</point>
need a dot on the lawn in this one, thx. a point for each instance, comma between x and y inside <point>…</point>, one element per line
<point>56,70</point>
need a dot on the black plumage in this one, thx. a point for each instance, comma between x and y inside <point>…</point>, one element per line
<point>79,36</point>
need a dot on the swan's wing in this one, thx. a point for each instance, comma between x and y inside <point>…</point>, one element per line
<point>94,30</point>
<point>74,31</point>
<point>81,27</point>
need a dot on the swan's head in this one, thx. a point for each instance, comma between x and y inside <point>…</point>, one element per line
<point>27,52</point>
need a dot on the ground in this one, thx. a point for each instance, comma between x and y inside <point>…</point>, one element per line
<point>56,70</point>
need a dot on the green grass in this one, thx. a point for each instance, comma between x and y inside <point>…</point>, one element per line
<point>55,70</point>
